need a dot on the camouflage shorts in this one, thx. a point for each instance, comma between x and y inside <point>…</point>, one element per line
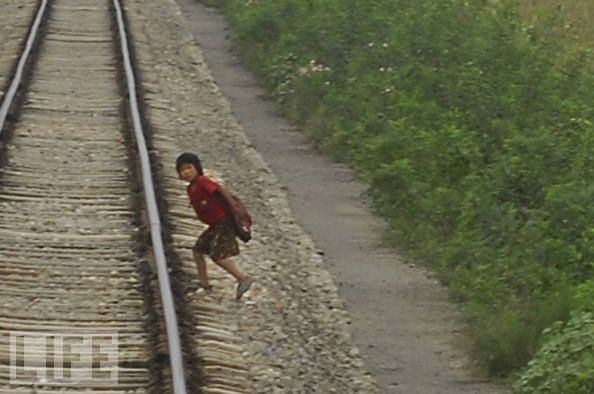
<point>218,241</point>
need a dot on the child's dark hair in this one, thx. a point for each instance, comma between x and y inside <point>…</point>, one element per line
<point>188,158</point>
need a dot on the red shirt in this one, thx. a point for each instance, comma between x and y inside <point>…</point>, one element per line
<point>208,206</point>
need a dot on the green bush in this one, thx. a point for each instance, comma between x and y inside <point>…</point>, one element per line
<point>565,364</point>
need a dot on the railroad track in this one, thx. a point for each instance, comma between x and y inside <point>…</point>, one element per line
<point>77,311</point>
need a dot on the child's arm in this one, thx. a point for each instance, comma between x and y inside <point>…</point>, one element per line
<point>226,197</point>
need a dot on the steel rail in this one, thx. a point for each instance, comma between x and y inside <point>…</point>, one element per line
<point>18,75</point>
<point>175,354</point>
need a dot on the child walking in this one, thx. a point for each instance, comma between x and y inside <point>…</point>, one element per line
<point>210,201</point>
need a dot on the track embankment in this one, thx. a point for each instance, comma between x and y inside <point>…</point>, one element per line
<point>290,333</point>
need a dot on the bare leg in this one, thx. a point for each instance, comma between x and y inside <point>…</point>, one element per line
<point>202,273</point>
<point>231,268</point>
<point>243,281</point>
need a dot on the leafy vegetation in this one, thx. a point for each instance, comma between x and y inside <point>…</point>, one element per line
<point>471,121</point>
<point>565,362</point>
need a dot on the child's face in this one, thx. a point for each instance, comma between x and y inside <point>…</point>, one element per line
<point>188,172</point>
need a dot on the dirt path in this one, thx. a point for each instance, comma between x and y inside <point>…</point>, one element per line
<point>407,333</point>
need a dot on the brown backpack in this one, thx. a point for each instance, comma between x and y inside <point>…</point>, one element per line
<point>242,219</point>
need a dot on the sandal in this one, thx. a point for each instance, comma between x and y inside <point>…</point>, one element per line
<point>243,286</point>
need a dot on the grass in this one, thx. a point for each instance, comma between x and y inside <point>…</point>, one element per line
<point>577,14</point>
